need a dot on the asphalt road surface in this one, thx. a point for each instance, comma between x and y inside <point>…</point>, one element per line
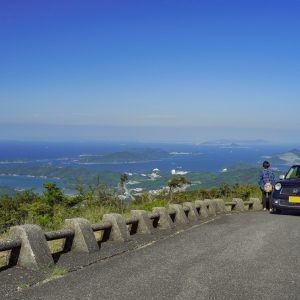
<point>240,256</point>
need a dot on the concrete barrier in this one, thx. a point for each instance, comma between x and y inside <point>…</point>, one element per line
<point>203,209</point>
<point>230,206</point>
<point>257,205</point>
<point>239,204</point>
<point>84,239</point>
<point>144,222</point>
<point>29,247</point>
<point>34,252</point>
<point>119,230</point>
<point>165,221</point>
<point>193,213</point>
<point>154,217</point>
<point>214,204</point>
<point>180,216</point>
<point>211,207</point>
<point>220,206</point>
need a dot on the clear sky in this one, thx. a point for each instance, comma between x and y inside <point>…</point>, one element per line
<point>186,70</point>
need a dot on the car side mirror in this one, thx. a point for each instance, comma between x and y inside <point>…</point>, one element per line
<point>281,177</point>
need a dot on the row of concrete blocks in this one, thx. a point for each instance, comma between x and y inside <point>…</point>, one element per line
<point>35,254</point>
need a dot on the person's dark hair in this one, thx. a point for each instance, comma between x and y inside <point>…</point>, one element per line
<point>266,164</point>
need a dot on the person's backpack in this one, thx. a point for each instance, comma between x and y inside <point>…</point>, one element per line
<point>268,188</point>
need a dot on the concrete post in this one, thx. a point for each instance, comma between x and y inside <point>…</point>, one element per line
<point>119,230</point>
<point>203,209</point>
<point>180,217</point>
<point>239,204</point>
<point>145,224</point>
<point>214,204</point>
<point>34,253</point>
<point>165,221</point>
<point>193,214</point>
<point>211,208</point>
<point>84,239</point>
<point>220,206</point>
<point>256,204</point>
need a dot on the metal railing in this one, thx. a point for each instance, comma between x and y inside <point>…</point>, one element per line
<point>6,245</point>
<point>101,226</point>
<point>59,234</point>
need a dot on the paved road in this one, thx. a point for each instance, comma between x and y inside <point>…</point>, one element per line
<point>241,256</point>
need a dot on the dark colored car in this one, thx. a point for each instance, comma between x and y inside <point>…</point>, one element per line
<point>286,195</point>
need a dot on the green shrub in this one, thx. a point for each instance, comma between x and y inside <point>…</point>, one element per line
<point>43,221</point>
<point>149,205</point>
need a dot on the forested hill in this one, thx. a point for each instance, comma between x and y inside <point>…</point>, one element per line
<point>132,156</point>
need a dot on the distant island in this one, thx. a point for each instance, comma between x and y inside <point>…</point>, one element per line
<point>130,156</point>
<point>234,143</point>
<point>287,158</point>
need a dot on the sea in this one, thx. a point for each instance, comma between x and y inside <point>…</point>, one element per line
<point>211,157</point>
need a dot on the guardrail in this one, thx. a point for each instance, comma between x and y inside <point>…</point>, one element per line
<point>59,234</point>
<point>28,244</point>
<point>6,245</point>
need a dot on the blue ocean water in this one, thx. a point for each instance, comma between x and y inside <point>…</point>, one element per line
<point>200,158</point>
<point>186,157</point>
<point>25,183</point>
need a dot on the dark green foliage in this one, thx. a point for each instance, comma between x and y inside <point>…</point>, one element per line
<point>52,194</point>
<point>123,179</point>
<point>176,182</point>
<point>50,208</point>
<point>12,208</point>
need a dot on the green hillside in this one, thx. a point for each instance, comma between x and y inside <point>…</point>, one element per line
<point>139,155</point>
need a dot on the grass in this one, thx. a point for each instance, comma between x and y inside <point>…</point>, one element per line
<point>3,258</point>
<point>4,255</point>
<point>23,286</point>
<point>149,205</point>
<point>57,272</point>
<point>95,214</point>
<point>56,245</point>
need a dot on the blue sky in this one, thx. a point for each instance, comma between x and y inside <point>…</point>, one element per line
<point>149,70</point>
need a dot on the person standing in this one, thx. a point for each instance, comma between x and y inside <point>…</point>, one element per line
<point>266,183</point>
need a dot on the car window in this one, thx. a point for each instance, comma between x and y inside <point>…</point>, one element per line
<point>294,172</point>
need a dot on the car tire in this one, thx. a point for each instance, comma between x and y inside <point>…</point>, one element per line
<point>276,211</point>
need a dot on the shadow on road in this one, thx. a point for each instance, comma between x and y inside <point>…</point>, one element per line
<point>290,213</point>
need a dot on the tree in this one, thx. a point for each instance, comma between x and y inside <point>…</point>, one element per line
<point>13,209</point>
<point>225,190</point>
<point>53,194</point>
<point>123,179</point>
<point>176,182</point>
